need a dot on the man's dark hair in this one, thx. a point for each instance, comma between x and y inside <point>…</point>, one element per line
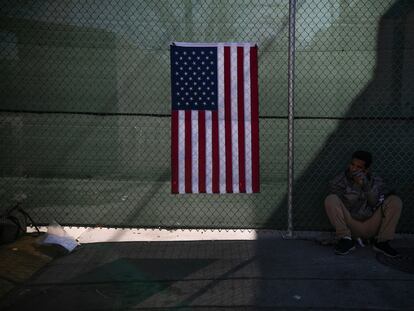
<point>364,156</point>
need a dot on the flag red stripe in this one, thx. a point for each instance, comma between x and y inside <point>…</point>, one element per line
<point>215,150</point>
<point>188,152</point>
<point>201,151</point>
<point>240,111</point>
<point>174,151</point>
<point>227,119</point>
<point>255,119</point>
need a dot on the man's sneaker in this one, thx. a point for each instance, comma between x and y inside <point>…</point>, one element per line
<point>385,248</point>
<point>344,246</point>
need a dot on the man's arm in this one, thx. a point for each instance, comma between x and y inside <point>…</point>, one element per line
<point>373,190</point>
<point>338,185</point>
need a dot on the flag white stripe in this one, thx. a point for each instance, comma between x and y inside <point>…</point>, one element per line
<point>221,131</point>
<point>234,120</point>
<point>247,119</point>
<point>194,151</point>
<point>209,153</point>
<point>181,151</point>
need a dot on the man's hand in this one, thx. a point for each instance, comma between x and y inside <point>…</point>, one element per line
<point>360,177</point>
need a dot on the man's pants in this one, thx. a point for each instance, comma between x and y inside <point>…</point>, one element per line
<point>381,224</point>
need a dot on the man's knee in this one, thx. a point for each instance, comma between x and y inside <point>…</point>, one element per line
<point>332,201</point>
<point>393,202</point>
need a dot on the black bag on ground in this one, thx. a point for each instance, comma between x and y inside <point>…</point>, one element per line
<point>13,224</point>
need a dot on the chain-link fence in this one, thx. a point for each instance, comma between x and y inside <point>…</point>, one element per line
<point>85,107</point>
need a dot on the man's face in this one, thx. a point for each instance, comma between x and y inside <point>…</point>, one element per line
<point>355,166</point>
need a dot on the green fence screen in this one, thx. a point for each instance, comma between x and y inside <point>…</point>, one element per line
<point>85,107</point>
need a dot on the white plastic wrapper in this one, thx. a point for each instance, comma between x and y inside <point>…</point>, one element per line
<point>57,235</point>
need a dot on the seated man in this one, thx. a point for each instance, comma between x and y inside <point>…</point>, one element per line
<point>358,207</point>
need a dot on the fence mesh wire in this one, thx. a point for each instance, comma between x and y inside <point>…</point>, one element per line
<point>85,107</point>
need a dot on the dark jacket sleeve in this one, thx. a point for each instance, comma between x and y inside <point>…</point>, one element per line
<point>338,185</point>
<point>374,191</point>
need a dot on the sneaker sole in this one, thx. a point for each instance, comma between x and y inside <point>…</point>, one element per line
<point>347,252</point>
<point>384,253</point>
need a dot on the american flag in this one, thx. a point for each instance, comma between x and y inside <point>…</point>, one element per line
<point>215,118</point>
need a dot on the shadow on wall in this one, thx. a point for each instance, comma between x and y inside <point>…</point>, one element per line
<point>63,72</point>
<point>60,81</point>
<point>380,119</point>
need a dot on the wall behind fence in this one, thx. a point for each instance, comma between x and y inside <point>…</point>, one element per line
<point>85,106</point>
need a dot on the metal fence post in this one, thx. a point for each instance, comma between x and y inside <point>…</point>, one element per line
<point>291,80</point>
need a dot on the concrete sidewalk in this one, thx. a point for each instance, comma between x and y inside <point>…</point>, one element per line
<point>216,275</point>
<point>23,258</point>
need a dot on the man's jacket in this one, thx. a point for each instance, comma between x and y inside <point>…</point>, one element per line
<point>361,201</point>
